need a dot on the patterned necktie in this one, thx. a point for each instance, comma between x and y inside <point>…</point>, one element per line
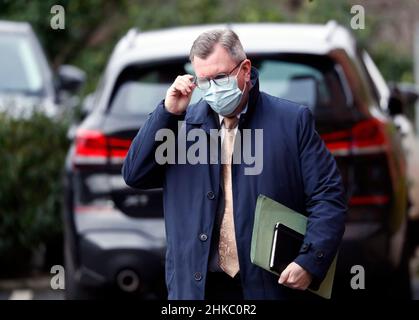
<point>229,261</point>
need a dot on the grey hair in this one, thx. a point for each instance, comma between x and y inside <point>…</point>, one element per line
<point>204,45</point>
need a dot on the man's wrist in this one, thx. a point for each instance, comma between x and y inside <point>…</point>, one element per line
<point>168,109</point>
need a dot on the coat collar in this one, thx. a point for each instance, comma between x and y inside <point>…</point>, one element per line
<point>202,114</point>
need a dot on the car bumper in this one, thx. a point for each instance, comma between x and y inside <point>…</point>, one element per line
<point>125,265</point>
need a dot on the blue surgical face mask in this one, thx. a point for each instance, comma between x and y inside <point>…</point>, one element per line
<point>224,99</point>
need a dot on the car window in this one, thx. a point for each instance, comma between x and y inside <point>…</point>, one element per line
<point>19,68</point>
<point>310,80</point>
<point>139,89</point>
<point>313,83</point>
<point>292,81</point>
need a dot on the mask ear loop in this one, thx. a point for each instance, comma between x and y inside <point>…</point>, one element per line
<point>245,83</point>
<point>243,91</point>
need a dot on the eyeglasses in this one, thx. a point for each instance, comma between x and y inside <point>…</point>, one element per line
<point>220,79</point>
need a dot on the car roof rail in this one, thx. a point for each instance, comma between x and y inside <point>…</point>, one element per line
<point>131,35</point>
<point>229,25</point>
<point>331,27</point>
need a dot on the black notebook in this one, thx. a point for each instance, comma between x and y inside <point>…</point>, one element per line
<point>286,244</point>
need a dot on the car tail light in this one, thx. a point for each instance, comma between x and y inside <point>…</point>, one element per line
<point>370,200</point>
<point>361,153</point>
<point>94,148</point>
<point>369,137</point>
<point>366,137</point>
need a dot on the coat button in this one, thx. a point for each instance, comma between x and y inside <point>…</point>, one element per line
<point>320,254</point>
<point>305,247</point>
<point>210,195</point>
<point>203,237</point>
<point>197,276</point>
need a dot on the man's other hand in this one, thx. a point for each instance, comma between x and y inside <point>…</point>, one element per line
<point>295,277</point>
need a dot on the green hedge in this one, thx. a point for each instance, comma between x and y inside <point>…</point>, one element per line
<point>32,153</point>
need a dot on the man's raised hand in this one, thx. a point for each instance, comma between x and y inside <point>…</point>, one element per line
<point>179,94</point>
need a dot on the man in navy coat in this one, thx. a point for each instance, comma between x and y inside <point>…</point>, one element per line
<point>209,206</point>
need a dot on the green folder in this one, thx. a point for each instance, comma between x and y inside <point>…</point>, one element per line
<point>268,213</point>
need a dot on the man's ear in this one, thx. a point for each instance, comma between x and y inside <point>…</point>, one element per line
<point>247,67</point>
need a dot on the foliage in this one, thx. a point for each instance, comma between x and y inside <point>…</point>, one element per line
<point>32,156</point>
<point>395,65</point>
<point>94,26</point>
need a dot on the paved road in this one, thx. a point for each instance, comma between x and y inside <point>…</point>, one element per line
<point>29,294</point>
<point>37,288</point>
<point>40,290</point>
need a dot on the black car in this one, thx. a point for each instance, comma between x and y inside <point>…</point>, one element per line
<point>115,236</point>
